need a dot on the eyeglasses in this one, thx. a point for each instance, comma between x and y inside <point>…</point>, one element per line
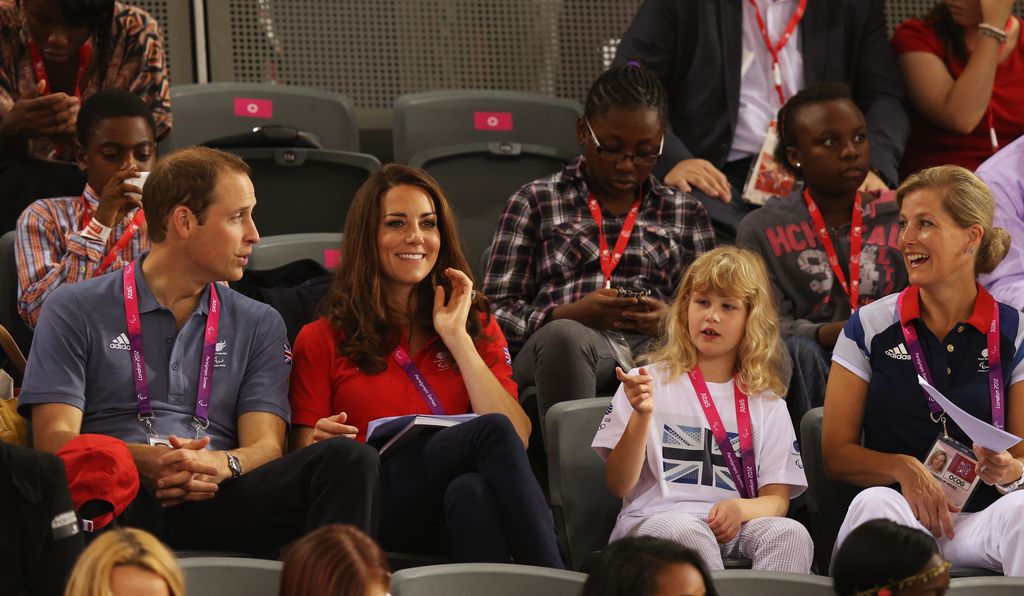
<point>639,159</point>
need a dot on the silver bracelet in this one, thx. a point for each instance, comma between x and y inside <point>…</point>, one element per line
<point>994,32</point>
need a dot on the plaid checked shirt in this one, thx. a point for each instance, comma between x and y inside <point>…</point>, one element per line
<point>136,64</point>
<point>51,249</point>
<point>546,252</point>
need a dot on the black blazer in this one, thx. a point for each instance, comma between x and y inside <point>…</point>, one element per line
<point>694,47</point>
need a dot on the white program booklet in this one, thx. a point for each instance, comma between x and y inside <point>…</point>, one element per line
<point>980,431</point>
<point>387,433</point>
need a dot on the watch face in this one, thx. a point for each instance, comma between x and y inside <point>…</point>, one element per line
<point>236,467</point>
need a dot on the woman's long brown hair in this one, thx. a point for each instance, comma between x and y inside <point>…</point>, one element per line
<point>356,304</point>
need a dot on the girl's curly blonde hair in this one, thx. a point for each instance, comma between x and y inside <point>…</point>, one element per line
<point>737,273</point>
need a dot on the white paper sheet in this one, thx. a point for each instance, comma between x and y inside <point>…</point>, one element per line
<point>981,432</point>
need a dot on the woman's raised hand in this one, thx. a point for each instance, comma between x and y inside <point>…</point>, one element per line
<point>638,390</point>
<point>450,319</point>
<point>996,12</point>
<point>926,498</point>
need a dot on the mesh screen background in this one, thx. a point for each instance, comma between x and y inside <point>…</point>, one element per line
<point>375,50</point>
<point>176,24</point>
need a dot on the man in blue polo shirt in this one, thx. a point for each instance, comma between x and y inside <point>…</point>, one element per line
<point>193,377</point>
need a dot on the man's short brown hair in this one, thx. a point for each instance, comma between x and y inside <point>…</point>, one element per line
<point>186,177</point>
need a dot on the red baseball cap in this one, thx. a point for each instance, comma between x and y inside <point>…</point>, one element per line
<point>100,468</point>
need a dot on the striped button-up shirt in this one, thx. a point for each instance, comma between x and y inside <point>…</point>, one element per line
<point>51,249</point>
<point>546,251</point>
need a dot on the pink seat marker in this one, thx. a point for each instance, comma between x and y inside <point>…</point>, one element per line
<point>248,107</point>
<point>492,120</point>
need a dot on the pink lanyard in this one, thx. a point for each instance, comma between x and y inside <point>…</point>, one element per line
<point>995,364</point>
<point>404,361</point>
<point>746,480</point>
<point>856,238</point>
<point>776,48</point>
<point>610,259</point>
<point>134,320</point>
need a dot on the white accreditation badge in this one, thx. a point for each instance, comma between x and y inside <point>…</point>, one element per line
<point>767,177</point>
<point>955,467</point>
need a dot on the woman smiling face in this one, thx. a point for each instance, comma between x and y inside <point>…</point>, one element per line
<point>408,240</point>
<point>935,248</point>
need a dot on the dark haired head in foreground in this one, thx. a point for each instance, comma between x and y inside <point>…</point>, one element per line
<point>882,556</point>
<point>647,566</point>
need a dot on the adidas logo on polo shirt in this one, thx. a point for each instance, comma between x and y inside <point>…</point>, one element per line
<point>898,353</point>
<point>120,343</point>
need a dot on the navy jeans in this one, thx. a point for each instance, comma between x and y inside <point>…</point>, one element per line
<point>470,483</point>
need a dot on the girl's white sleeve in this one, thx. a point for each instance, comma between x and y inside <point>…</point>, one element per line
<point>778,453</point>
<point>613,423</point>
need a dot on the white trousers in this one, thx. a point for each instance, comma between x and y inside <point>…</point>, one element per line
<point>992,538</point>
<point>771,543</point>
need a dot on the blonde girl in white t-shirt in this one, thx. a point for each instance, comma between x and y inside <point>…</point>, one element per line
<point>713,384</point>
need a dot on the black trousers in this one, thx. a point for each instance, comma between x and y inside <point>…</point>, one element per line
<point>472,484</point>
<point>725,218</point>
<point>334,481</point>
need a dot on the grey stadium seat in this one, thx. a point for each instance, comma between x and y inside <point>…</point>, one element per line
<point>304,190</point>
<point>231,576</point>
<point>583,507</point>
<point>214,110</point>
<point>275,251</point>
<point>482,146</point>
<point>742,582</point>
<point>9,316</point>
<point>492,579</point>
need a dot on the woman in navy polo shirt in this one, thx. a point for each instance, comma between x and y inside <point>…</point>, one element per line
<point>943,327</point>
<point>403,332</point>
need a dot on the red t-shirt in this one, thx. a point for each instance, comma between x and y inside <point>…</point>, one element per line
<point>930,145</point>
<point>324,383</point>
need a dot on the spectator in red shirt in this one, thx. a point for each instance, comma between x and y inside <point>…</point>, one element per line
<point>964,69</point>
<point>403,332</point>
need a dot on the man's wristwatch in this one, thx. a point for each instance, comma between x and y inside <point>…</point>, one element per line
<point>235,465</point>
<point>1009,488</point>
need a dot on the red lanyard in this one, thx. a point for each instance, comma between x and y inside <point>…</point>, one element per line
<point>610,259</point>
<point>991,121</point>
<point>122,242</point>
<point>745,480</point>
<point>776,48</point>
<point>856,236</point>
<point>40,67</point>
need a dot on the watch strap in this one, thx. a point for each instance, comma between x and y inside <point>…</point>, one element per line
<point>234,465</point>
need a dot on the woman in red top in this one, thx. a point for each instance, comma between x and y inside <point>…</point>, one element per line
<point>964,70</point>
<point>401,294</point>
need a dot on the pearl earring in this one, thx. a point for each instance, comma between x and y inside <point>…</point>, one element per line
<point>797,164</point>
<point>969,251</point>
